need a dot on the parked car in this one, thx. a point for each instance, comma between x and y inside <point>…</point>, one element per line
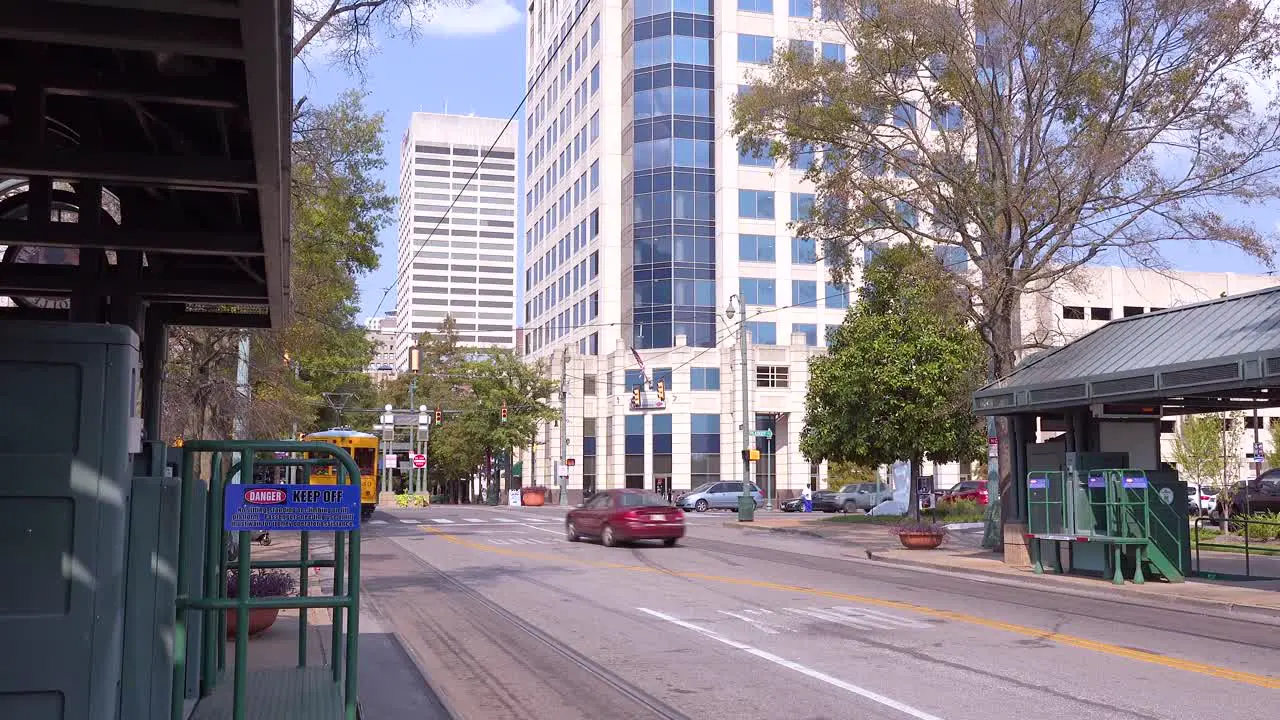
<point>975,490</point>
<point>722,495</point>
<point>1202,499</point>
<point>618,515</point>
<point>795,504</point>
<point>856,496</point>
<point>1260,495</point>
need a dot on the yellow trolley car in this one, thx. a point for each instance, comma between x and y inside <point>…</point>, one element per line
<point>363,447</point>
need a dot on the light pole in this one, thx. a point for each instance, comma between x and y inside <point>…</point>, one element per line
<point>388,440</point>
<point>746,503</point>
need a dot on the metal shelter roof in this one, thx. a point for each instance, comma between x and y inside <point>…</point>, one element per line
<point>1213,355</point>
<point>154,130</point>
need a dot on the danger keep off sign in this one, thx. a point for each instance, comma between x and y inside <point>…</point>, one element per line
<point>251,508</point>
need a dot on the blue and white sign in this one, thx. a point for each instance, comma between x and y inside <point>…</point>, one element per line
<point>249,508</point>
<point>1135,482</point>
<point>1037,483</point>
<point>1097,481</point>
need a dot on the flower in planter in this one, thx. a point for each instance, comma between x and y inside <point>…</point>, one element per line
<point>919,528</point>
<point>263,583</point>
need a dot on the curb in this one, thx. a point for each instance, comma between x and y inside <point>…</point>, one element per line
<point>1198,606</point>
<point>781,530</point>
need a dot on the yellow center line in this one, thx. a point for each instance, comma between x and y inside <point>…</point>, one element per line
<point>1247,678</point>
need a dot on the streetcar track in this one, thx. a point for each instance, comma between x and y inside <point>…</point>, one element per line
<point>600,672</point>
<point>914,582</point>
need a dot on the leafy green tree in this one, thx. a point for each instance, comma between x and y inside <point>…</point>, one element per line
<point>840,474</point>
<point>1197,449</point>
<point>1028,141</point>
<point>897,380</point>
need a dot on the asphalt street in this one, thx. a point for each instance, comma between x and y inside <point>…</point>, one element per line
<point>507,619</point>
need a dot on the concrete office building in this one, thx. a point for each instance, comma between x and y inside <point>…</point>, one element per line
<point>458,262</point>
<point>382,332</point>
<point>643,218</point>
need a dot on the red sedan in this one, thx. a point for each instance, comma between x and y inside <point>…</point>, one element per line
<point>620,515</point>
<point>975,490</point>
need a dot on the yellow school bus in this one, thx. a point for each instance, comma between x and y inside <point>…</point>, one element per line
<point>363,447</point>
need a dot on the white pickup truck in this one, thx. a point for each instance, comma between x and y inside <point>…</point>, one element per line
<point>860,496</point>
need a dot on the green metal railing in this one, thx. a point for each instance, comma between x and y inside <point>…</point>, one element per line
<point>213,604</point>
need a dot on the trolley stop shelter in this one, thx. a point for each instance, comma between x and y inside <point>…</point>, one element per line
<point>1098,497</point>
<point>144,184</point>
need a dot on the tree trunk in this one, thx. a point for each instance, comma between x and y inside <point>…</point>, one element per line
<point>913,482</point>
<point>1004,341</point>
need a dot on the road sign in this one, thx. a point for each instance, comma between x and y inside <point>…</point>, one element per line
<point>419,461</point>
<point>993,447</point>
<point>1258,454</point>
<point>250,508</point>
<point>766,434</point>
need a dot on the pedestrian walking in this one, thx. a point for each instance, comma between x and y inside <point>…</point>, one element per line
<point>806,496</point>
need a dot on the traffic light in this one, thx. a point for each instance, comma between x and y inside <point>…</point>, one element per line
<point>751,455</point>
<point>439,417</point>
<point>635,397</point>
<point>662,390</point>
<point>504,412</point>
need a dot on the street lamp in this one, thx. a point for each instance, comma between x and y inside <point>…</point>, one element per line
<point>388,439</point>
<point>746,503</point>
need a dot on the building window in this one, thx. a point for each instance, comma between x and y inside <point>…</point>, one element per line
<point>662,448</point>
<point>595,78</point>
<point>1130,310</point>
<point>595,31</point>
<point>1099,313</point>
<point>837,295</point>
<point>801,206</point>
<point>758,291</point>
<point>1250,422</point>
<point>951,256</point>
<point>755,49</point>
<point>633,379</point>
<point>802,49</point>
<point>1156,309</point>
<point>800,8</point>
<point>704,378</point>
<point>810,332</point>
<point>804,251</point>
<point>588,456</point>
<point>829,334</point>
<point>633,450</point>
<point>704,447</point>
<point>772,376</point>
<point>804,293</point>
<point>755,248</point>
<point>762,333</point>
<point>589,385</point>
<point>1072,312</point>
<point>754,158</point>
<point>760,6</point>
<point>595,175</point>
<point>664,376</point>
<point>833,51</point>
<point>756,204</point>
<point>767,468</point>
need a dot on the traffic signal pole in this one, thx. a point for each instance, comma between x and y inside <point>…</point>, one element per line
<point>564,428</point>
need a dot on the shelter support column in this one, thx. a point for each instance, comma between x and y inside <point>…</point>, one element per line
<point>1023,431</point>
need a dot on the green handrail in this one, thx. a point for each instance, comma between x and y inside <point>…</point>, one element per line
<point>345,590</point>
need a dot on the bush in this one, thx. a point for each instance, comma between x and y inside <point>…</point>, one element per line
<point>919,527</point>
<point>412,501</point>
<point>960,511</point>
<point>1256,531</point>
<point>262,583</point>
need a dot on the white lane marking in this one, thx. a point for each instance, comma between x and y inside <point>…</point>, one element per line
<point>884,616</point>
<point>445,521</point>
<point>797,667</point>
<point>410,521</point>
<point>504,520</point>
<point>545,530</point>
<point>762,627</point>
<point>539,520</point>
<point>473,520</point>
<point>835,618</point>
<point>377,522</point>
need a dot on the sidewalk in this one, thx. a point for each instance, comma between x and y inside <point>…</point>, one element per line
<point>962,554</point>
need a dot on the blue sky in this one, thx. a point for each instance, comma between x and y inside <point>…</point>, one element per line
<point>472,61</point>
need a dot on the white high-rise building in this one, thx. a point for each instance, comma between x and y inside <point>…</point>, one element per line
<point>642,219</point>
<point>458,262</point>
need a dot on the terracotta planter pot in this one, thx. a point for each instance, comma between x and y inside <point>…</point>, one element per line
<point>533,498</point>
<point>259,620</point>
<point>920,540</point>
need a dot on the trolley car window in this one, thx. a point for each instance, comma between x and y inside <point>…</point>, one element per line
<point>364,459</point>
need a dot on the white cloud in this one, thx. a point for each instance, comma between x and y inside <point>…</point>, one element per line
<point>483,17</point>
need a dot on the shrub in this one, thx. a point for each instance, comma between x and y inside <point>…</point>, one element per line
<point>262,583</point>
<point>919,527</point>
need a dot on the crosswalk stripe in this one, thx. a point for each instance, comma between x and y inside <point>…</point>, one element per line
<point>504,520</point>
<point>835,618</point>
<point>446,521</point>
<point>473,520</point>
<point>377,522</point>
<point>537,520</point>
<point>410,521</point>
<point>886,617</point>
